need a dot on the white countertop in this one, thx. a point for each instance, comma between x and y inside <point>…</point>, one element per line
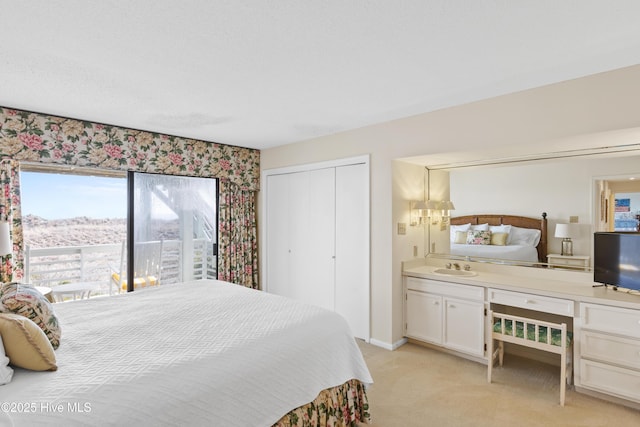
<point>541,282</point>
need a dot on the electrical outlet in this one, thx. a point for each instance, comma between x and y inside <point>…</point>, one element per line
<point>433,247</point>
<point>415,251</point>
<point>573,219</point>
<point>402,228</point>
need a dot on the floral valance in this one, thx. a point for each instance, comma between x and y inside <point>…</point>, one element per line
<point>27,136</point>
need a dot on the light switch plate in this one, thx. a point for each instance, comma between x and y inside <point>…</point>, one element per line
<point>573,219</point>
<point>402,228</point>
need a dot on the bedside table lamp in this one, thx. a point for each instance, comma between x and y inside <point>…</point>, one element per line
<point>6,247</point>
<point>566,232</point>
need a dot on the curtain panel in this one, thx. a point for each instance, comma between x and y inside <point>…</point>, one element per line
<point>33,137</point>
<point>237,244</point>
<point>12,266</point>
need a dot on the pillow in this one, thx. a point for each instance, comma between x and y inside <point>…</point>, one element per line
<point>481,227</point>
<point>525,236</point>
<point>6,373</point>
<point>29,302</point>
<point>456,228</point>
<point>26,344</point>
<point>478,237</point>
<point>461,237</point>
<point>499,239</point>
<point>501,229</point>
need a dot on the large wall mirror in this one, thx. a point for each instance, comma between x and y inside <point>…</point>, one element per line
<point>596,190</point>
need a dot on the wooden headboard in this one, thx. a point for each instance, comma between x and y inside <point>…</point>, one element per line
<point>518,221</point>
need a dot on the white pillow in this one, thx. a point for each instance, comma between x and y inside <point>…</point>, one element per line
<point>456,228</point>
<point>501,229</point>
<point>5,370</point>
<point>480,227</point>
<point>525,236</point>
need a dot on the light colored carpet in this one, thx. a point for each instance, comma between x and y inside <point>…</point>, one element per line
<point>417,386</point>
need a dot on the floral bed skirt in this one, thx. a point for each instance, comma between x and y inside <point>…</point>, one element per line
<point>343,406</point>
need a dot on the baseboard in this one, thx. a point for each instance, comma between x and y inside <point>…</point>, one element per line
<point>608,398</point>
<point>386,345</point>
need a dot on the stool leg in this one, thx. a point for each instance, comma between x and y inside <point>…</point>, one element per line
<point>563,374</point>
<point>490,365</point>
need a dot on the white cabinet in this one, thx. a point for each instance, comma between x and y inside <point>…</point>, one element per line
<point>424,316</point>
<point>446,314</point>
<point>579,262</point>
<point>464,326</point>
<point>563,307</point>
<point>610,350</point>
<point>316,239</point>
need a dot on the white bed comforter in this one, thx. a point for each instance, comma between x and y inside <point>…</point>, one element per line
<point>508,252</point>
<point>200,353</point>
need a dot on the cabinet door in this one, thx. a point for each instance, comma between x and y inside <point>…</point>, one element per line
<point>464,326</point>
<point>424,316</point>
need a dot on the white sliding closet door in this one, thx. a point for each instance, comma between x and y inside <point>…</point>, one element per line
<point>316,239</point>
<point>277,243</point>
<point>312,242</point>
<point>352,247</point>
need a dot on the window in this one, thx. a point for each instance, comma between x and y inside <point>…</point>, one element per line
<point>75,228</point>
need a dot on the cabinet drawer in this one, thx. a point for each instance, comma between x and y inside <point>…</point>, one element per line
<point>446,288</point>
<point>623,321</point>
<point>621,351</point>
<point>610,379</point>
<point>559,306</point>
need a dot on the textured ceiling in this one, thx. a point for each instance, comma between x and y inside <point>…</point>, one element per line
<point>265,73</point>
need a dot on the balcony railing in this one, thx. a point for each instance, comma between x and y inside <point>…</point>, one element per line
<point>51,267</point>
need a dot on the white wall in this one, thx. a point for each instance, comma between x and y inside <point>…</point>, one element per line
<point>535,118</point>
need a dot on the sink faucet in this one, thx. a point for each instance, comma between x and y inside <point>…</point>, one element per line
<point>467,267</point>
<point>448,265</point>
<point>456,266</point>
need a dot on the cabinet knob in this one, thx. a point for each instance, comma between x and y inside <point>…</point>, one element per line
<point>527,301</point>
<point>452,306</point>
<point>435,303</point>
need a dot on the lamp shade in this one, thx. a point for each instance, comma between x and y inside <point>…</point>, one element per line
<point>447,205</point>
<point>420,205</point>
<point>6,247</point>
<point>566,231</point>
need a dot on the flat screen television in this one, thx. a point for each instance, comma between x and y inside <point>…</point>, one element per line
<point>616,259</point>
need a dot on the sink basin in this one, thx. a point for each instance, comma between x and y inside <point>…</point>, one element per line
<point>452,272</point>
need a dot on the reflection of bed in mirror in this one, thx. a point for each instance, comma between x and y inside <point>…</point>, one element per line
<point>504,237</point>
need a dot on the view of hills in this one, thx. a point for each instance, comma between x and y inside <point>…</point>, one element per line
<point>80,231</point>
<point>84,231</point>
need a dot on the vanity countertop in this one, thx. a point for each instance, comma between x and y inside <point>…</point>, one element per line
<point>535,282</point>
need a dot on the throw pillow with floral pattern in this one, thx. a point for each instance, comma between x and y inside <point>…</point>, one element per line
<point>27,301</point>
<point>478,237</point>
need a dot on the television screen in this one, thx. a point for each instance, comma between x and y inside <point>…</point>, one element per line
<point>616,259</point>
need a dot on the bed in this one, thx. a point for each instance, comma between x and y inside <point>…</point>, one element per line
<point>198,353</point>
<point>522,238</point>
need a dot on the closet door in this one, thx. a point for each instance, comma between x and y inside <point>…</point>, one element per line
<point>316,239</point>
<point>300,236</point>
<point>352,247</point>
<point>277,242</point>
<point>312,238</point>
